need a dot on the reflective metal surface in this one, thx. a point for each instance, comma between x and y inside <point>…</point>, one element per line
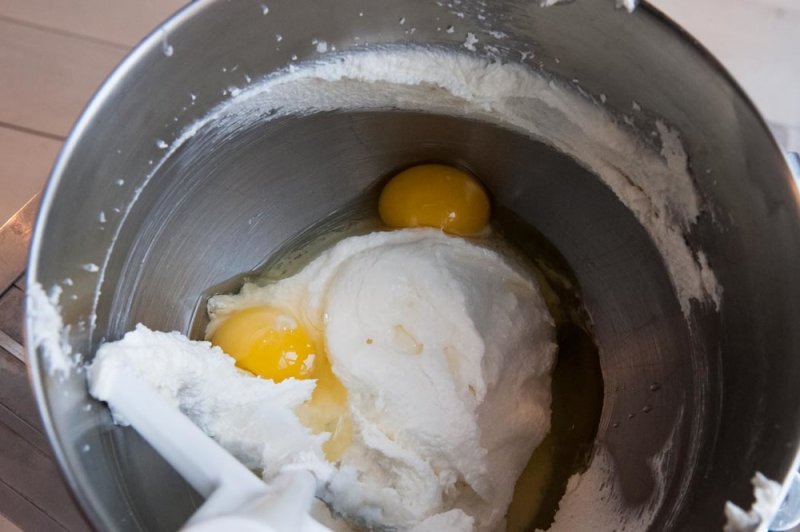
<point>722,387</point>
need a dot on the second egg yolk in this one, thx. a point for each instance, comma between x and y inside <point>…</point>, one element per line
<point>435,195</point>
<point>270,343</point>
<point>267,342</point>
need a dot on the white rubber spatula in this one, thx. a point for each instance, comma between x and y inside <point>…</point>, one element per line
<point>235,498</point>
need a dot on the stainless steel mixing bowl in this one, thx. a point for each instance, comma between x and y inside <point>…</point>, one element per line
<point>218,206</point>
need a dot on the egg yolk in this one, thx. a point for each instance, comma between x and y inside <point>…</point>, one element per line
<point>435,195</point>
<point>267,342</point>
<point>270,343</point>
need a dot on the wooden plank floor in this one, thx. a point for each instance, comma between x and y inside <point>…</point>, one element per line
<point>55,53</point>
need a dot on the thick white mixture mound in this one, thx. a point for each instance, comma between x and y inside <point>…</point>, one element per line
<point>224,401</point>
<point>445,350</point>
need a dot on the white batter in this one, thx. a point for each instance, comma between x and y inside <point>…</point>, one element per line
<point>445,350</point>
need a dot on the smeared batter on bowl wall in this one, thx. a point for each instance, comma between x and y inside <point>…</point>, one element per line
<point>655,184</point>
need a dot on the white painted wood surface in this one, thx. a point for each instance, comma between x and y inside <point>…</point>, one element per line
<point>49,77</point>
<point>758,41</point>
<point>53,56</point>
<point>25,159</point>
<point>121,22</point>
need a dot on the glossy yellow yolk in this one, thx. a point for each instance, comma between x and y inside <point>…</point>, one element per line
<point>267,342</point>
<point>270,343</point>
<point>435,195</point>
